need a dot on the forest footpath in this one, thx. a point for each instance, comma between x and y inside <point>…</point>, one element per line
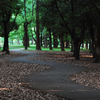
<point>90,77</point>
<point>11,72</point>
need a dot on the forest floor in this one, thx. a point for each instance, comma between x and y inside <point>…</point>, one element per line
<point>11,72</point>
<point>90,78</point>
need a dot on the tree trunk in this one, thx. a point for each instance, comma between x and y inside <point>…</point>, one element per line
<point>86,44</point>
<point>18,40</point>
<point>45,40</point>
<point>6,46</point>
<point>50,40</point>
<point>98,47</point>
<point>96,17</point>
<point>72,46</point>
<point>55,42</point>
<point>62,43</point>
<point>90,46</point>
<point>67,44</point>
<point>77,50</point>
<point>37,27</point>
<point>41,39</point>
<point>94,49</point>
<point>26,38</point>
<point>92,33</point>
<point>82,45</point>
<point>6,35</point>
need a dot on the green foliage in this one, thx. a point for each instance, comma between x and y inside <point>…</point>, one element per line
<point>9,10</point>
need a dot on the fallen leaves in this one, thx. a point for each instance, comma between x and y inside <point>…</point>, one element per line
<point>11,72</point>
<point>88,78</point>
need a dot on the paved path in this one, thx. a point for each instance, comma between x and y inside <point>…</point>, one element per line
<point>56,80</point>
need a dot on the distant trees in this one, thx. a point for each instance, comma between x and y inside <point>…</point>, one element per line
<point>50,20</point>
<point>73,15</point>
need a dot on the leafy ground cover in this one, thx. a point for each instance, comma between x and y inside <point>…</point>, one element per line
<point>11,72</point>
<point>91,77</point>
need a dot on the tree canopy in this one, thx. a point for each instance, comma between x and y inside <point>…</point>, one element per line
<point>67,20</point>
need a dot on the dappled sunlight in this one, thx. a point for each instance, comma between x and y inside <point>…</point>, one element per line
<point>90,56</point>
<point>2,89</point>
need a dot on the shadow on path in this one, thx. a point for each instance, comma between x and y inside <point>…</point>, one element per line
<point>56,80</point>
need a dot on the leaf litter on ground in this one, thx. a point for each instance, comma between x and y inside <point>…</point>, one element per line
<point>91,77</point>
<point>11,72</point>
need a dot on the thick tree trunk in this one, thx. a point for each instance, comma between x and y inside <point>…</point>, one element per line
<point>92,33</point>
<point>26,37</point>
<point>6,46</point>
<point>6,35</point>
<point>98,47</point>
<point>62,43</point>
<point>77,50</point>
<point>50,40</point>
<point>97,53</point>
<point>37,27</point>
<point>96,17</point>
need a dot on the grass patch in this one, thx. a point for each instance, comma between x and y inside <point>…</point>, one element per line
<point>33,47</point>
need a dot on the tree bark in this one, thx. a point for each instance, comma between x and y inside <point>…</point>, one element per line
<point>45,40</point>
<point>86,44</point>
<point>37,27</point>
<point>26,38</point>
<point>77,50</point>
<point>50,40</point>
<point>6,35</point>
<point>72,46</point>
<point>98,48</point>
<point>92,33</point>
<point>55,42</point>
<point>41,39</point>
<point>96,17</point>
<point>90,46</point>
<point>62,43</point>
